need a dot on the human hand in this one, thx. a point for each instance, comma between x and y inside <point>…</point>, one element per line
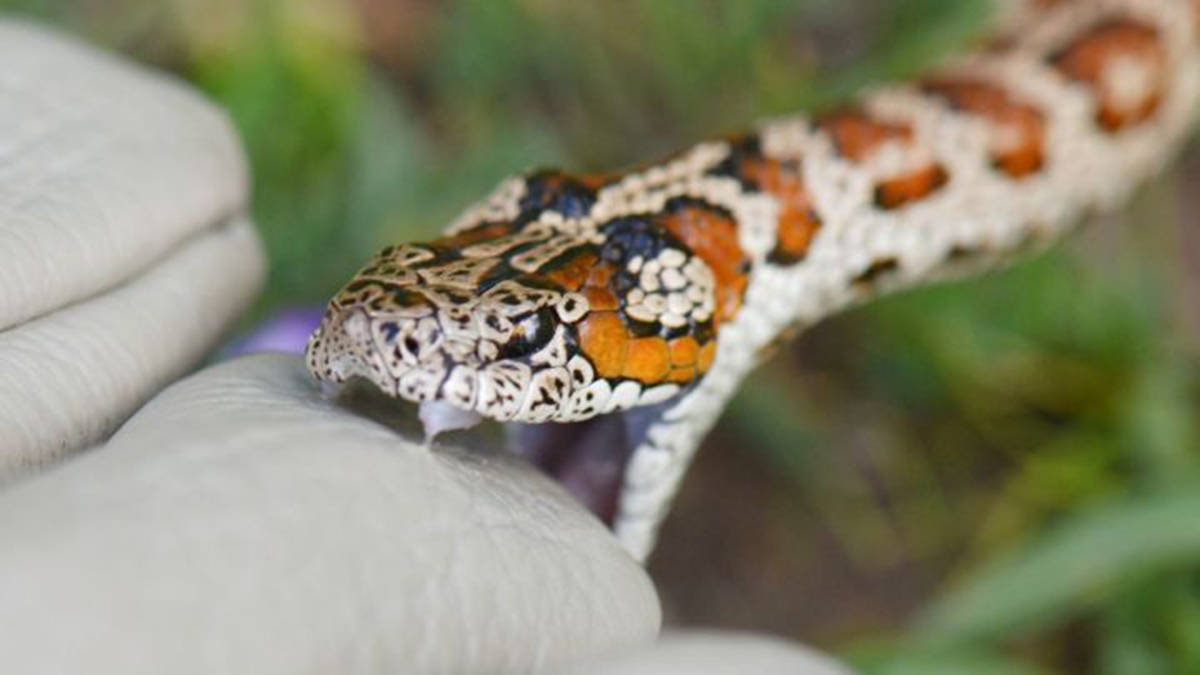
<point>240,522</point>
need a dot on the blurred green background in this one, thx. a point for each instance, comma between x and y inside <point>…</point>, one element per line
<point>995,476</point>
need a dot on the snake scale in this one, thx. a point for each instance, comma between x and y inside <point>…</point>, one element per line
<point>646,296</point>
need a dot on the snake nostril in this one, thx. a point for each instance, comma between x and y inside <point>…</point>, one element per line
<point>389,330</point>
<point>411,344</point>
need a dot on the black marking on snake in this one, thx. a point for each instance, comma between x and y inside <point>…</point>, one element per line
<point>875,272</point>
<point>555,190</point>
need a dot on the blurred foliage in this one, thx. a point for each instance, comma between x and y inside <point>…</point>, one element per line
<point>992,476</point>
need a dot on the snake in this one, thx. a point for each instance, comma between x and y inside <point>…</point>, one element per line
<point>631,304</point>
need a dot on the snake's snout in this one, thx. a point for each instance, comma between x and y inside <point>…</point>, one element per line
<point>433,351</point>
<point>341,348</point>
<point>403,353</point>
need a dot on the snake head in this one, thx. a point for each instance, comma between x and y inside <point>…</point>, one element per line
<point>546,317</point>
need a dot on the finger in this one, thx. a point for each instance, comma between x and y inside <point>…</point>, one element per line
<point>72,375</point>
<point>113,274</point>
<point>106,168</point>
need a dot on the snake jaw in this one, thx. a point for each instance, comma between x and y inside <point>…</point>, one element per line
<point>501,359</point>
<point>339,349</point>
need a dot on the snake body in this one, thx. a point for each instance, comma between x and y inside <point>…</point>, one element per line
<point>562,297</point>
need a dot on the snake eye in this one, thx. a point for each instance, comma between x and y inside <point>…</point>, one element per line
<point>530,334</point>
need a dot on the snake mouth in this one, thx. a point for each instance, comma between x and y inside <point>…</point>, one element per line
<point>523,371</point>
<point>413,360</point>
<point>588,457</point>
<point>340,350</point>
<point>405,357</point>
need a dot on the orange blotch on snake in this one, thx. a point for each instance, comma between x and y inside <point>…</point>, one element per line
<point>647,360</point>
<point>1018,149</point>
<point>896,192</point>
<point>601,275</point>
<point>604,340</point>
<point>704,358</point>
<point>484,232</point>
<point>572,273</point>
<point>857,136</point>
<point>681,375</point>
<point>595,181</point>
<point>600,298</point>
<point>1094,59</point>
<point>798,220</point>
<point>555,180</point>
<point>683,350</point>
<point>712,236</point>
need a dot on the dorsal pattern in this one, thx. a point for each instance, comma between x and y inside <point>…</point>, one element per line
<point>561,297</point>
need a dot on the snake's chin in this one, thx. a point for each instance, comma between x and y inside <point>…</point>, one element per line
<point>440,416</point>
<point>588,458</point>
